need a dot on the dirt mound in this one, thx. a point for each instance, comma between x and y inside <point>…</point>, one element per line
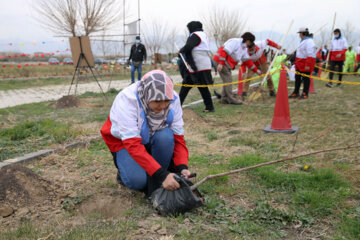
<point>67,102</point>
<point>21,187</point>
<point>191,117</point>
<point>105,205</point>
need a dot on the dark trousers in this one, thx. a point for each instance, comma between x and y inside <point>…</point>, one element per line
<point>305,80</point>
<point>205,94</point>
<point>333,64</point>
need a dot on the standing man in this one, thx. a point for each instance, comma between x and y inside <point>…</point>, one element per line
<point>137,55</point>
<point>196,51</point>
<point>227,57</point>
<point>339,46</point>
<point>350,60</point>
<point>256,53</point>
<point>304,63</point>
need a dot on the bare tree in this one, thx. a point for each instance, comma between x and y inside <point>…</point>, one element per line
<point>222,24</point>
<point>59,16</point>
<point>322,38</point>
<point>172,38</point>
<point>103,46</point>
<point>98,15</point>
<point>78,17</point>
<point>170,45</point>
<point>349,32</point>
<point>155,35</point>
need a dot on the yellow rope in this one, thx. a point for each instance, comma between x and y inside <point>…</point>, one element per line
<point>327,70</point>
<point>225,84</point>
<point>323,79</point>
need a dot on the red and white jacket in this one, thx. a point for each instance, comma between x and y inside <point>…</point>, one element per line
<point>259,56</point>
<point>338,46</point>
<point>232,52</point>
<point>305,55</point>
<point>123,128</point>
<point>358,54</point>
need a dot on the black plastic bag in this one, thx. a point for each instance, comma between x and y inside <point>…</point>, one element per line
<point>175,202</point>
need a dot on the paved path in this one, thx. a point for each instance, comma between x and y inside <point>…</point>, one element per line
<point>12,98</point>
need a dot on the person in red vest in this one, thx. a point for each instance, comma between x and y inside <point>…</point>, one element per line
<point>257,55</point>
<point>339,47</point>
<point>227,57</point>
<point>304,63</point>
<point>144,132</point>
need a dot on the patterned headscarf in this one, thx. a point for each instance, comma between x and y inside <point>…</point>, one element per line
<point>156,85</point>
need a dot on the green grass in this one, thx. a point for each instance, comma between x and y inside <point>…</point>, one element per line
<point>349,228</point>
<point>32,136</point>
<point>47,77</point>
<point>279,201</point>
<point>35,126</point>
<point>318,192</point>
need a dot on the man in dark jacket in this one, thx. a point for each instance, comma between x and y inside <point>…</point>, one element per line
<point>137,55</point>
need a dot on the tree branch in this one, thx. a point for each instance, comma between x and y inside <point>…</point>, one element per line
<point>269,163</point>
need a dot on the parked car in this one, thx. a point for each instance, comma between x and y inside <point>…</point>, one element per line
<point>111,61</point>
<point>68,61</point>
<point>121,61</point>
<point>99,61</point>
<point>53,61</point>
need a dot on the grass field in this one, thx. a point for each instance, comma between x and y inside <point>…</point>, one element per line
<point>283,201</point>
<point>48,75</point>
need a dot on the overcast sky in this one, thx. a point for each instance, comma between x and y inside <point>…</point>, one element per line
<point>17,24</point>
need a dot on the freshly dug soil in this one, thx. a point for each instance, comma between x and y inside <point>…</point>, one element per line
<point>21,187</point>
<point>67,102</point>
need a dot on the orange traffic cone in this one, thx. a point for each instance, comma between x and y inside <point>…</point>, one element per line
<point>311,89</point>
<point>281,119</point>
<point>241,84</point>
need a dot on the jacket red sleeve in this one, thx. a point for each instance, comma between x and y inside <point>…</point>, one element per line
<point>138,152</point>
<point>271,43</point>
<point>222,55</point>
<point>250,65</point>
<point>181,153</point>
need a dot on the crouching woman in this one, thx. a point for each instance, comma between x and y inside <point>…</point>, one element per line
<point>145,135</point>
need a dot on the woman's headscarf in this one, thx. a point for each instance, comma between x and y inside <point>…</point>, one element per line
<point>156,85</point>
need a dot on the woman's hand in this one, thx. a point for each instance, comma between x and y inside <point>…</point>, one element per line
<point>170,183</point>
<point>220,67</point>
<point>185,173</point>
